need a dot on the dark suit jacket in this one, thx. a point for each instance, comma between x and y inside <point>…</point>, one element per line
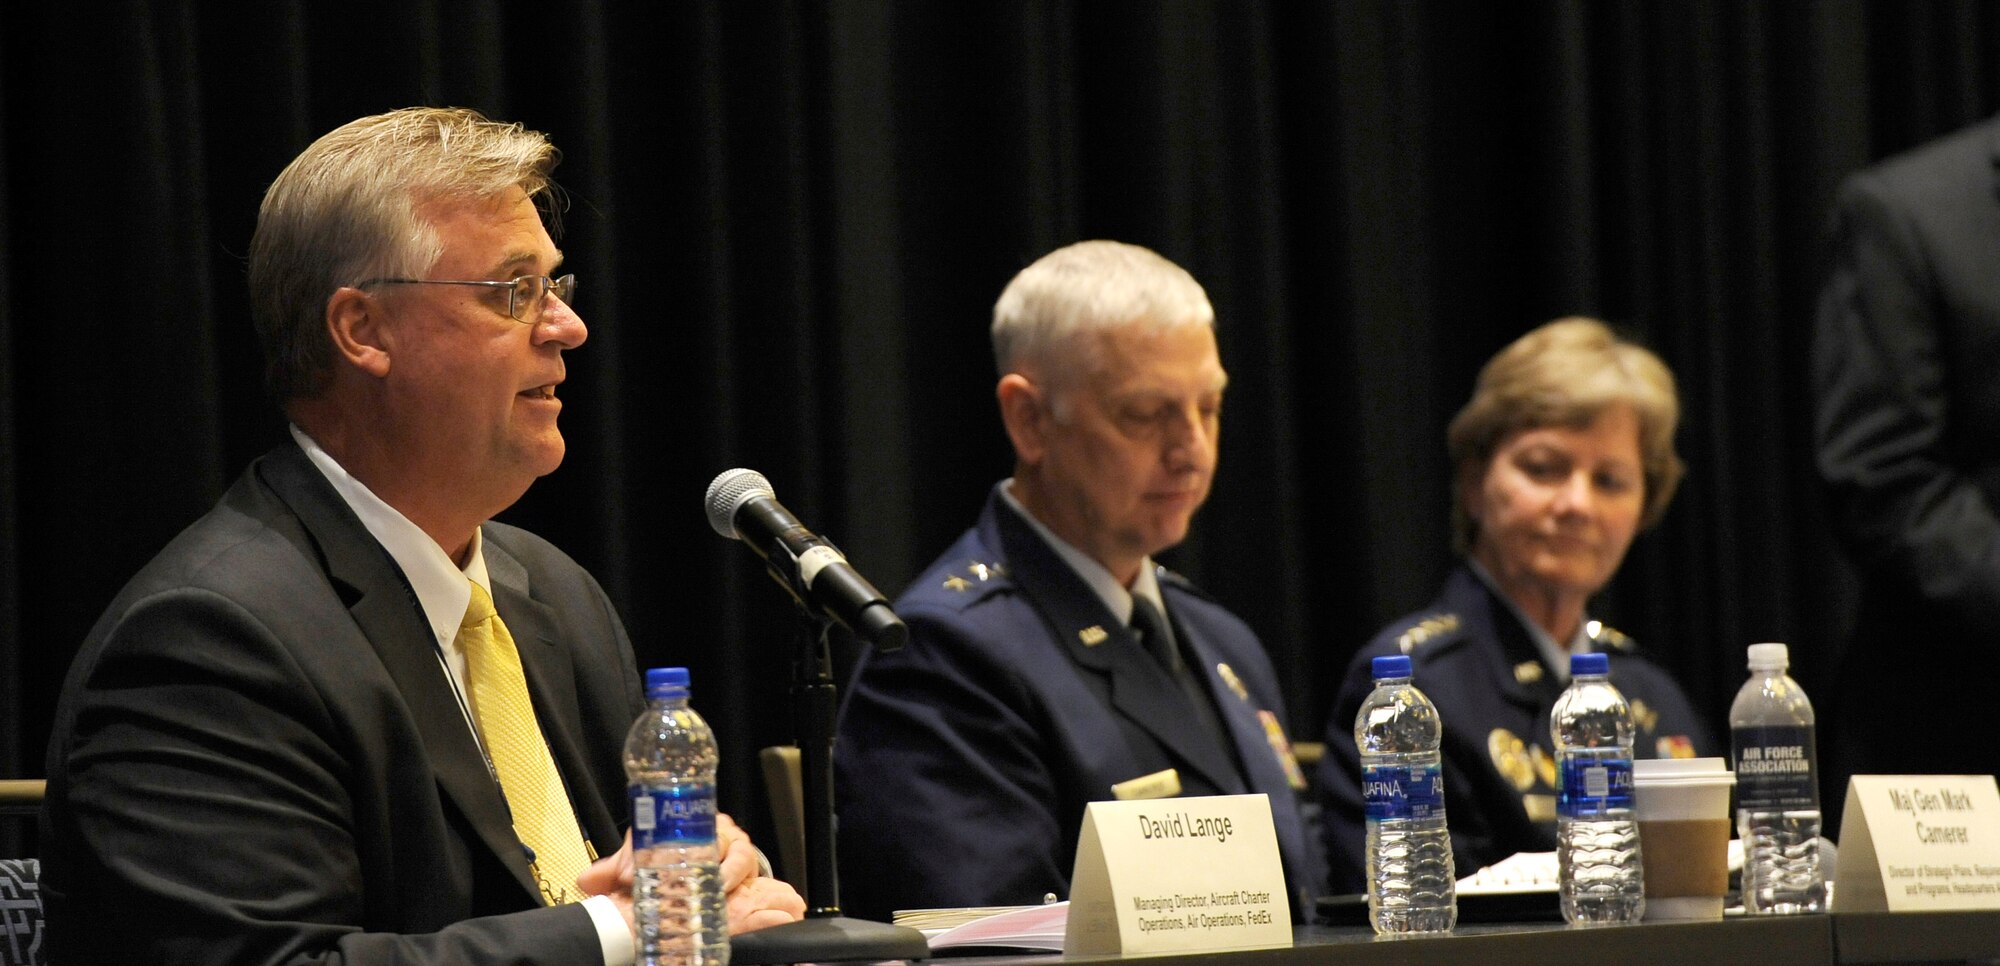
<point>257,757</point>
<point>1476,662</point>
<point>965,760</point>
<point>1906,365</point>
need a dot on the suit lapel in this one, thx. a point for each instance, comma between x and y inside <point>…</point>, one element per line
<point>1140,688</point>
<point>1143,691</point>
<point>1238,714</point>
<point>385,609</point>
<point>1262,771</point>
<point>1520,673</point>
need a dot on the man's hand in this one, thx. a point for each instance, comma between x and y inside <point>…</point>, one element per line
<point>612,876</point>
<point>754,900</point>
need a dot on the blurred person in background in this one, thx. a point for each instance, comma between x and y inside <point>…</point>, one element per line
<point>1564,453</point>
<point>1908,434</point>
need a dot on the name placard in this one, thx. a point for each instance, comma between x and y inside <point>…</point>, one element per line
<point>1178,874</point>
<point>1919,842</point>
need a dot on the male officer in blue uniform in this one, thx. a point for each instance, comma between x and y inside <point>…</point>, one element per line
<point>1475,658</point>
<point>1051,663</point>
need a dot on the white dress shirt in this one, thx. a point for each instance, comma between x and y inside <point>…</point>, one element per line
<point>1116,596</point>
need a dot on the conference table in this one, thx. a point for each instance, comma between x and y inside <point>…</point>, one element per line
<point>1766,941</point>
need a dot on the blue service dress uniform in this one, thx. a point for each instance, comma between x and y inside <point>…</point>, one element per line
<point>1476,661</point>
<point>964,760</point>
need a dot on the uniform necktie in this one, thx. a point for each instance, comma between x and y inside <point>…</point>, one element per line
<point>1158,636</point>
<point>543,818</point>
<point>1154,633</point>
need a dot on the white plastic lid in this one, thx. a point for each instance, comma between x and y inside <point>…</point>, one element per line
<point>1770,657</point>
<point>1683,771</point>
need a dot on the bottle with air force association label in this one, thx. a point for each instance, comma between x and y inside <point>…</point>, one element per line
<point>1600,875</point>
<point>1777,788</point>
<point>1411,883</point>
<point>670,760</point>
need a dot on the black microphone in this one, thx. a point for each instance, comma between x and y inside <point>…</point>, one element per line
<point>742,507</point>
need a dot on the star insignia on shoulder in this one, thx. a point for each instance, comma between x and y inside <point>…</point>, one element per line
<point>974,571</point>
<point>1610,638</point>
<point>1426,629</point>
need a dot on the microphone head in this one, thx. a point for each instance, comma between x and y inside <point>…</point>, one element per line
<point>729,492</point>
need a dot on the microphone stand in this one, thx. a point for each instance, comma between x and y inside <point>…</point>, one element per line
<point>824,935</point>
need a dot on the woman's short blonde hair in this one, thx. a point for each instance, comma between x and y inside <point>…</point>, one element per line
<point>1567,373</point>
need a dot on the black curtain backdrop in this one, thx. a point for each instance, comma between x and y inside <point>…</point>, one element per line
<point>791,221</point>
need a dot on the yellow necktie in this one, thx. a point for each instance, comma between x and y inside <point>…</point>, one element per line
<point>543,818</point>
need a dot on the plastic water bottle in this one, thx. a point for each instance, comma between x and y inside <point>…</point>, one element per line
<point>677,886</point>
<point>1411,883</point>
<point>1777,788</point>
<point>1601,875</point>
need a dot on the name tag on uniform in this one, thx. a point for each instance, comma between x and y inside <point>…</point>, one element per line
<point>1165,783</point>
<point>1177,874</point>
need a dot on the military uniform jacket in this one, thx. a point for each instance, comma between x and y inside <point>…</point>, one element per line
<point>1477,663</point>
<point>965,760</point>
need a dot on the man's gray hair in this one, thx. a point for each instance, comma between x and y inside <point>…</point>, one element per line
<point>347,210</point>
<point>1088,287</point>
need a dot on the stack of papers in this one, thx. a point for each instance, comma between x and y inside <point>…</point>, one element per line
<point>1520,872</point>
<point>930,922</point>
<point>1519,888</point>
<point>1006,927</point>
<point>1537,872</point>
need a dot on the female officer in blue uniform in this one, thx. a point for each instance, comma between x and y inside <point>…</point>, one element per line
<point>1563,454</point>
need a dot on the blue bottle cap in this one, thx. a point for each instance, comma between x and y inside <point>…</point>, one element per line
<point>1589,664</point>
<point>1392,666</point>
<point>667,682</point>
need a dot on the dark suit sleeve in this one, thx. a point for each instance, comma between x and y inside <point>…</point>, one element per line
<point>208,811</point>
<point>1879,370</point>
<point>945,799</point>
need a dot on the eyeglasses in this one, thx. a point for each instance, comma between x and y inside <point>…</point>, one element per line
<point>525,295</point>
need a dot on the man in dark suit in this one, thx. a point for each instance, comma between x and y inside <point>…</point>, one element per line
<point>1908,425</point>
<point>301,733</point>
<point>1051,663</point>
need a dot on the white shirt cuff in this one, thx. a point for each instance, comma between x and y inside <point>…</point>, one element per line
<point>614,936</point>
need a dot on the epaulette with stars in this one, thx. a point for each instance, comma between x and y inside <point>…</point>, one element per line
<point>972,577</point>
<point>1609,638</point>
<point>1428,629</point>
